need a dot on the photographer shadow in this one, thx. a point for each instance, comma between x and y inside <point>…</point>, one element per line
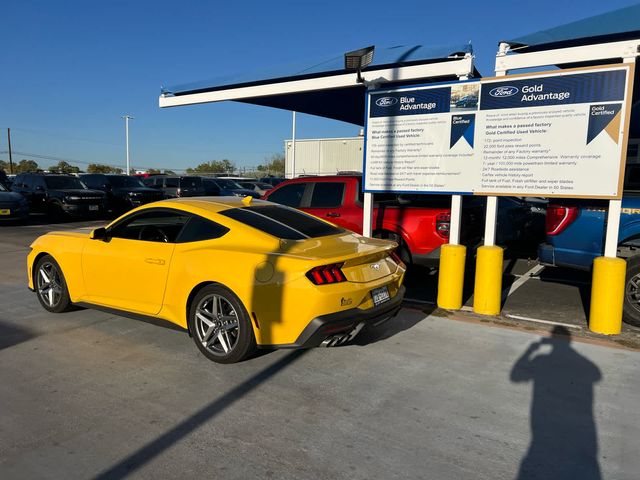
<point>564,441</point>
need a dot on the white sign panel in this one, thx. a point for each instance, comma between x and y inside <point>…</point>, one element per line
<point>559,133</point>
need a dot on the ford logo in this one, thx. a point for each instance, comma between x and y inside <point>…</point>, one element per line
<point>386,101</point>
<point>505,91</point>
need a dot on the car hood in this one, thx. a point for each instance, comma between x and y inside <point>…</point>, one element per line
<point>10,197</point>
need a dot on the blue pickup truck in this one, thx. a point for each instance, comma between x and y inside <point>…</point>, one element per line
<point>575,236</point>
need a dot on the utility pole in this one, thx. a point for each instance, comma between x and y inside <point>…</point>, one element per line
<point>126,139</point>
<point>10,154</point>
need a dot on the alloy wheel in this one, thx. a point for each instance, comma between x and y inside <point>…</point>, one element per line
<point>217,326</point>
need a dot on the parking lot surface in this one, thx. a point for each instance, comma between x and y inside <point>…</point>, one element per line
<point>90,395</point>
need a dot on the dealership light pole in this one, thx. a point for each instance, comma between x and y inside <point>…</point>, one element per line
<point>126,139</point>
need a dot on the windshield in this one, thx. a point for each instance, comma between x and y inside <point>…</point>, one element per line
<point>120,182</point>
<point>228,184</point>
<point>63,183</point>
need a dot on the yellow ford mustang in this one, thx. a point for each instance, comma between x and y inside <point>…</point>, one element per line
<point>237,274</point>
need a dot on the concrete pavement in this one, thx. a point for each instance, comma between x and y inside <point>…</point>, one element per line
<point>90,395</point>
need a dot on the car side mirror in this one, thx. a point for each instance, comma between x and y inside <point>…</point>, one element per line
<point>98,234</point>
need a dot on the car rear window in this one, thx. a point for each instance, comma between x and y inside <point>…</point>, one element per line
<point>327,195</point>
<point>282,222</point>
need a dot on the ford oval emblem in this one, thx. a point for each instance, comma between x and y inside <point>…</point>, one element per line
<point>504,91</point>
<point>386,101</point>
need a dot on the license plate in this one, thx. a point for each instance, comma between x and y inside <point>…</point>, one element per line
<point>5,211</point>
<point>380,295</point>
<point>93,207</point>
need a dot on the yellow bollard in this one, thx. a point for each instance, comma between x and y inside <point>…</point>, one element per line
<point>451,276</point>
<point>487,295</point>
<point>607,295</point>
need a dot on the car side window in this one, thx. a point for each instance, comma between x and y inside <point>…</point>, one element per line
<point>289,195</point>
<point>327,195</point>
<point>92,181</point>
<point>199,229</point>
<point>27,182</point>
<point>38,182</point>
<point>151,226</point>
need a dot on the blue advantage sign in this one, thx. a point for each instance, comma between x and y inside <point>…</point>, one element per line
<point>561,133</point>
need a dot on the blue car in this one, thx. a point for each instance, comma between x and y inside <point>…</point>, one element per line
<point>13,206</point>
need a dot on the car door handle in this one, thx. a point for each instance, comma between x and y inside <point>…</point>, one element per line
<point>154,261</point>
<point>333,214</point>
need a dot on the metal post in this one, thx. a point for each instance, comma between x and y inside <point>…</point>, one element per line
<point>293,146</point>
<point>367,215</point>
<point>10,153</point>
<point>456,213</point>
<point>126,137</point>
<point>615,209</point>
<point>492,201</point>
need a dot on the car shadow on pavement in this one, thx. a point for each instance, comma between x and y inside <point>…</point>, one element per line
<point>405,320</point>
<point>151,450</point>
<point>11,335</point>
<point>564,441</point>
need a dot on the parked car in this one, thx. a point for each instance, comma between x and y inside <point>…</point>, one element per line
<point>419,230</point>
<point>13,206</point>
<point>272,180</point>
<point>226,188</point>
<point>59,195</point>
<point>236,274</point>
<point>418,223</point>
<point>256,186</point>
<point>4,180</point>
<point>575,237</point>
<point>176,186</point>
<point>123,192</point>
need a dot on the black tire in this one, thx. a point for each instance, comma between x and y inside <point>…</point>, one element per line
<point>55,211</point>
<point>224,344</point>
<point>631,309</point>
<point>53,295</point>
<point>402,250</point>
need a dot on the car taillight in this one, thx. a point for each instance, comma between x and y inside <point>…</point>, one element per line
<point>396,258</point>
<point>443,222</point>
<point>326,274</point>
<point>559,218</point>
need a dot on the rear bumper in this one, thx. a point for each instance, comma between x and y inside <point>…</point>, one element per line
<point>342,322</point>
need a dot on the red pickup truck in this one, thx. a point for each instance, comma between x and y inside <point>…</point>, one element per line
<point>419,223</point>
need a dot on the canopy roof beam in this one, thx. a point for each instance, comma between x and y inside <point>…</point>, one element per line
<point>507,57</point>
<point>452,67</point>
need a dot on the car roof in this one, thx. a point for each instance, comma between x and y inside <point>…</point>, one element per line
<point>204,204</point>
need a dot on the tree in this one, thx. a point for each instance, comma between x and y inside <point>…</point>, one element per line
<point>98,168</point>
<point>25,166</point>
<point>64,167</point>
<point>274,165</point>
<point>214,166</point>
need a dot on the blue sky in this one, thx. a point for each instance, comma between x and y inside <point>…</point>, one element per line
<point>71,69</point>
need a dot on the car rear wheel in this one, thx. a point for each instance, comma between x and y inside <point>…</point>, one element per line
<point>631,312</point>
<point>51,286</point>
<point>220,325</point>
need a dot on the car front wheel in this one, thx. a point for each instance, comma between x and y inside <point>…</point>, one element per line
<point>220,325</point>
